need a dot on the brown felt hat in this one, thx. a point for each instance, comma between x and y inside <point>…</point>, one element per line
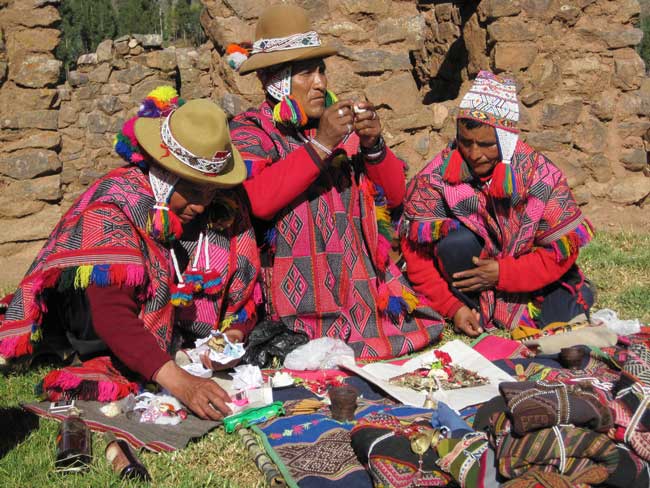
<point>199,150</point>
<point>272,46</point>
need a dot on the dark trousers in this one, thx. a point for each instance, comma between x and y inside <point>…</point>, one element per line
<point>561,299</point>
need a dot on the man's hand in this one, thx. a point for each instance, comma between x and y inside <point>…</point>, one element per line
<point>335,123</point>
<point>367,124</point>
<point>466,320</point>
<point>202,396</point>
<point>484,276</point>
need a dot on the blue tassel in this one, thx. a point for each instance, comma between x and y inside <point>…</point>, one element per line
<point>101,275</point>
<point>148,109</point>
<point>396,306</point>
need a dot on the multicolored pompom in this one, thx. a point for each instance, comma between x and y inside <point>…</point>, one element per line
<point>236,54</point>
<point>289,112</point>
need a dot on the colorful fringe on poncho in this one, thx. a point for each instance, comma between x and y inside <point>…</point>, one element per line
<point>542,213</point>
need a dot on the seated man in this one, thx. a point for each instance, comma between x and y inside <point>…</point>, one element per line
<point>110,277</point>
<point>322,183</point>
<point>491,231</point>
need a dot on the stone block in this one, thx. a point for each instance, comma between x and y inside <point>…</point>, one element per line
<point>492,9</point>
<point>629,70</point>
<point>32,40</point>
<point>109,104</point>
<point>164,60</point>
<point>444,12</point>
<point>25,164</point>
<point>233,104</point>
<point>47,188</point>
<point>14,99</point>
<point>599,167</point>
<point>132,75</point>
<point>41,17</point>
<point>399,92</point>
<point>12,207</point>
<point>30,228</point>
<point>101,73</point>
<point>549,140</point>
<point>34,70</point>
<point>33,119</point>
<point>630,190</point>
<point>561,112</point>
<point>246,9</point>
<point>511,29</point>
<point>98,123</point>
<point>35,140</point>
<point>104,51</point>
<point>148,40</point>
<point>439,114</point>
<point>591,136</point>
<point>635,159</point>
<point>370,7</point>
<point>377,61</point>
<point>76,78</point>
<point>87,59</point>
<point>514,56</point>
<point>621,37</point>
<point>116,88</point>
<point>605,105</point>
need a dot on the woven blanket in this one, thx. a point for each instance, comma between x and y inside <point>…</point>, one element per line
<point>153,437</point>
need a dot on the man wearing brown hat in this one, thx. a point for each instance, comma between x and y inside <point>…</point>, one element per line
<point>156,251</point>
<point>323,184</point>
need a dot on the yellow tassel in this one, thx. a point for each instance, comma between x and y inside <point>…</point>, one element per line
<point>382,213</point>
<point>163,93</point>
<point>411,300</point>
<point>82,276</point>
<point>533,310</point>
<point>37,335</point>
<point>227,322</point>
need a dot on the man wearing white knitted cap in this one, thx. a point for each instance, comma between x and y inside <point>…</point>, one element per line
<point>491,231</point>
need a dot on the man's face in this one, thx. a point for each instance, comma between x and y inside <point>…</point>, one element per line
<point>190,200</point>
<point>479,148</point>
<point>309,86</point>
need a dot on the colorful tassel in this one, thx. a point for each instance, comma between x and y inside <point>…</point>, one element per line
<point>431,232</point>
<point>236,54</point>
<point>570,243</point>
<point>454,168</point>
<point>289,112</point>
<point>212,282</point>
<point>330,98</point>
<point>163,224</point>
<point>181,295</point>
<point>194,278</point>
<point>502,184</point>
<point>410,299</point>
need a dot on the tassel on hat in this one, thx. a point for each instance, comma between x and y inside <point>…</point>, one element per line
<point>236,54</point>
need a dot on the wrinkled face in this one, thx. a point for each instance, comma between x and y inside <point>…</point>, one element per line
<point>309,86</point>
<point>190,200</point>
<point>479,148</point>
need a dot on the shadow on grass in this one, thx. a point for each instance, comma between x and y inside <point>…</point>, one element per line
<point>15,424</point>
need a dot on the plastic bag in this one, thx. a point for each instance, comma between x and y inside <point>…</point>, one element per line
<point>322,353</point>
<point>271,340</point>
<point>610,318</point>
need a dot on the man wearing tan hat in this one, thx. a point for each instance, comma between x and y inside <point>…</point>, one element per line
<point>323,184</point>
<point>154,252</point>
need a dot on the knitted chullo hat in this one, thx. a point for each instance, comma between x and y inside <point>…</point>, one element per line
<point>492,100</point>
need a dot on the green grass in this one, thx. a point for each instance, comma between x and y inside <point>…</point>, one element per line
<point>619,264</point>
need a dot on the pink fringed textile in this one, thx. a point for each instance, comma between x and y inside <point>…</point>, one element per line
<point>96,379</point>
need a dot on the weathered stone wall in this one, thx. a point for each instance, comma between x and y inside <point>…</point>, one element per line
<point>585,100</point>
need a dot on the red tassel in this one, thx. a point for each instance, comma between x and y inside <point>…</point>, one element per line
<point>497,184</point>
<point>454,170</point>
<point>175,225</point>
